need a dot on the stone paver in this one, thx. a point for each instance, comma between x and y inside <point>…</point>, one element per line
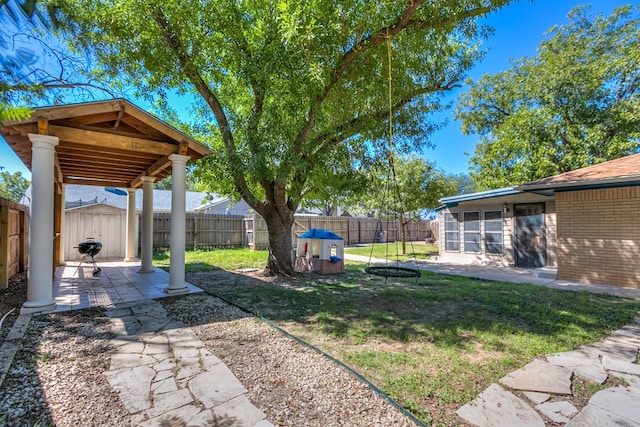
<point>496,407</point>
<point>613,349</point>
<point>583,363</point>
<point>164,375</point>
<point>615,406</point>
<point>540,376</point>
<point>597,417</point>
<point>621,401</point>
<point>536,397</point>
<point>558,412</point>
<point>623,366</point>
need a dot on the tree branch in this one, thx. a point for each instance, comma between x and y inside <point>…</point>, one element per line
<point>357,50</point>
<point>346,130</point>
<point>186,64</point>
<point>404,21</point>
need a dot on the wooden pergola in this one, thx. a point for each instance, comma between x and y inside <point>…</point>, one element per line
<point>105,143</point>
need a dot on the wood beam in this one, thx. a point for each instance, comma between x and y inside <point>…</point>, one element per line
<point>173,133</point>
<point>71,170</point>
<point>117,123</point>
<point>57,172</point>
<point>100,139</point>
<point>98,182</point>
<point>109,130</point>
<point>66,111</point>
<point>43,126</point>
<point>105,160</point>
<point>153,170</point>
<point>183,148</point>
<point>90,120</point>
<point>115,153</point>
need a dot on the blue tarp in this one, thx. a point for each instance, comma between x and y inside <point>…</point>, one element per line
<point>117,191</point>
<point>319,233</point>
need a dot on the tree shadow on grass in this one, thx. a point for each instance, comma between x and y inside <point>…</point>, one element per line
<point>442,309</point>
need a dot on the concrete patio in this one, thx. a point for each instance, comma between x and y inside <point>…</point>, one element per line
<point>74,286</point>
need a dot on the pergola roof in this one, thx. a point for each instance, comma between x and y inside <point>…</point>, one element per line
<point>108,143</point>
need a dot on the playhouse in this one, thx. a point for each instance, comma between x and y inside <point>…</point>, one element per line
<point>320,251</point>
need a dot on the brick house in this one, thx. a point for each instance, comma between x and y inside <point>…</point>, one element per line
<point>584,223</point>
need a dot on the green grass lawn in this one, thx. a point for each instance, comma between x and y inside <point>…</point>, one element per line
<point>211,259</point>
<point>431,344</point>
<point>393,251</point>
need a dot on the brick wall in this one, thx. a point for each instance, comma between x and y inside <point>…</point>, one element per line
<point>598,236</point>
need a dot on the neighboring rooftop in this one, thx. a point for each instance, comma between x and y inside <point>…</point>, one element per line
<point>83,195</point>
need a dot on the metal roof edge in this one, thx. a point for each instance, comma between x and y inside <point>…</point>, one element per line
<point>582,185</point>
<point>508,191</point>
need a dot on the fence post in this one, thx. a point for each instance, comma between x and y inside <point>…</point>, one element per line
<point>4,245</point>
<point>195,231</point>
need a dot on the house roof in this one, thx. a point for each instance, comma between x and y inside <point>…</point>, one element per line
<point>614,173</point>
<point>109,143</point>
<point>509,191</point>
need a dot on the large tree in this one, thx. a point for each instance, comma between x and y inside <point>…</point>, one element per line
<point>12,185</point>
<point>34,67</point>
<point>576,103</point>
<point>287,90</point>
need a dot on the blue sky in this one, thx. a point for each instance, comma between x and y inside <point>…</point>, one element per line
<point>519,29</point>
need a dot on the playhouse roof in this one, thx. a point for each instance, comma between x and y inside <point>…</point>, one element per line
<point>319,233</point>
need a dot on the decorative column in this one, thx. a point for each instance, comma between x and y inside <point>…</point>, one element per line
<point>40,284</point>
<point>147,224</point>
<point>131,225</point>
<point>178,225</point>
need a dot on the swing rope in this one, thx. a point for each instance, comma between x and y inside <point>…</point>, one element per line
<point>386,270</point>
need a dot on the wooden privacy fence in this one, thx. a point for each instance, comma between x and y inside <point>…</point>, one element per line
<point>204,231</point>
<point>14,238</point>
<point>356,231</point>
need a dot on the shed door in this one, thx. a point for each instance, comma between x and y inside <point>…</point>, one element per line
<point>531,242</point>
<point>107,228</point>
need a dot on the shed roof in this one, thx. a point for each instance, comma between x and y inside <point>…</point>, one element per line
<point>109,143</point>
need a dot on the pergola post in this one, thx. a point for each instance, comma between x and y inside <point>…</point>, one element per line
<point>178,225</point>
<point>131,225</point>
<point>40,283</point>
<point>147,225</point>
<point>60,260</point>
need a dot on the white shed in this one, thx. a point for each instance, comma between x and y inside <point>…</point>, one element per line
<point>105,223</point>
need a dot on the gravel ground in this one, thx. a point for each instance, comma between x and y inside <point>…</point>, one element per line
<point>56,377</point>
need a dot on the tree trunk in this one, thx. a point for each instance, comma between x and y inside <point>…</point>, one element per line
<point>280,243</point>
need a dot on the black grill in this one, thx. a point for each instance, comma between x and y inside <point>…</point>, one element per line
<point>90,248</point>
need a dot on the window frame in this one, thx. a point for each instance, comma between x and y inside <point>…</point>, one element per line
<point>455,232</point>
<point>472,232</point>
<point>488,242</point>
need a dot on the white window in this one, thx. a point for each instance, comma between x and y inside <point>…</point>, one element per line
<point>493,232</point>
<point>451,232</point>
<point>472,232</point>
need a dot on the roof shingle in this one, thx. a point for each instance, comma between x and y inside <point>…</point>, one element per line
<point>624,167</point>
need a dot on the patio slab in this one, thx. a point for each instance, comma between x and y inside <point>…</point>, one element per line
<point>75,288</point>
